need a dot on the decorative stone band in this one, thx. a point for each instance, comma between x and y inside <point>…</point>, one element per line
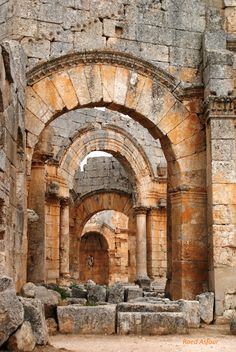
<point>107,57</point>
<point>231,45</point>
<point>65,201</point>
<point>141,209</point>
<point>220,106</point>
<point>56,197</point>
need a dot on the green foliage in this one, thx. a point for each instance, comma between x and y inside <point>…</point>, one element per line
<point>64,294</point>
<point>92,304</point>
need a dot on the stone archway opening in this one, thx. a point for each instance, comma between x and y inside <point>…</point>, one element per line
<point>105,246</point>
<point>154,99</point>
<point>94,258</point>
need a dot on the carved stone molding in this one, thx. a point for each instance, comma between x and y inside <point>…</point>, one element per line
<point>141,209</point>
<point>103,57</point>
<point>64,201</point>
<point>222,106</point>
<point>231,45</point>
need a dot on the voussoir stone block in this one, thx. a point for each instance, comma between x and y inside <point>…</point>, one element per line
<point>87,320</point>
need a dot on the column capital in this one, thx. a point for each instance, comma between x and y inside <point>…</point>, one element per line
<point>141,209</point>
<point>220,106</point>
<point>65,201</point>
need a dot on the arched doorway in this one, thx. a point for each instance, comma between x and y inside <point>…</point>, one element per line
<point>94,258</point>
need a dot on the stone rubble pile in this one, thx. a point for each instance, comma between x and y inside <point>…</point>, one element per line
<point>22,320</point>
<point>44,310</point>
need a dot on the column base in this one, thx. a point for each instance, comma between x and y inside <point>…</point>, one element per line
<point>143,282</point>
<point>65,280</point>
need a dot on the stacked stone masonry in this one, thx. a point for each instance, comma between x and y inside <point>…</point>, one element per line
<point>163,73</point>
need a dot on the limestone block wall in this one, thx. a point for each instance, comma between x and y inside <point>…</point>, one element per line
<point>152,30</point>
<point>13,214</point>
<point>102,173</point>
<point>221,175</point>
<point>5,14</point>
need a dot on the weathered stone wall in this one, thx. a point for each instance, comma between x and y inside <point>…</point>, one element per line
<point>13,214</point>
<point>150,29</point>
<point>5,14</point>
<point>102,173</point>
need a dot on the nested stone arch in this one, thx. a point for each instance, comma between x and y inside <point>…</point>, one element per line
<point>90,205</point>
<point>114,142</point>
<point>152,97</point>
<point>119,82</point>
<point>98,231</point>
<point>94,203</point>
<point>129,141</point>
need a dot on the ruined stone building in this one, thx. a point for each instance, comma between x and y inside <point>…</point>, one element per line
<point>153,84</point>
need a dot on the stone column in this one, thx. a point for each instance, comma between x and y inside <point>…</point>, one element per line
<point>141,247</point>
<point>37,229</point>
<point>221,185</point>
<point>64,238</point>
<point>52,221</point>
<point>187,273</point>
<point>156,242</point>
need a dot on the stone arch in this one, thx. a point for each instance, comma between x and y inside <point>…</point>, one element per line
<point>117,143</point>
<point>93,203</point>
<point>90,205</point>
<point>114,133</point>
<point>152,97</point>
<point>119,82</point>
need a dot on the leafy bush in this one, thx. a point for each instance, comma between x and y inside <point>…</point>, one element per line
<point>63,292</point>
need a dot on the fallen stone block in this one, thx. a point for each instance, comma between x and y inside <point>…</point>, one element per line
<point>147,307</point>
<point>96,294</point>
<point>116,293</point>
<point>50,299</point>
<point>28,290</point>
<point>191,311</point>
<point>69,301</point>
<point>23,339</point>
<point>34,313</point>
<point>133,292</point>
<point>143,323</point>
<point>233,326</point>
<point>79,293</point>
<point>76,319</point>
<point>52,326</point>
<point>11,309</point>
<point>206,305</point>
